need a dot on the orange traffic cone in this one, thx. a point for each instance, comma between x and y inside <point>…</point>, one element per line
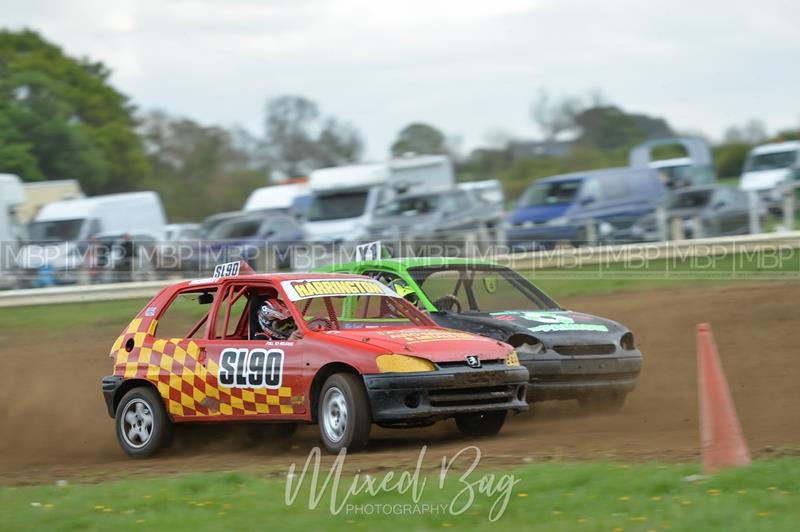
<point>720,430</point>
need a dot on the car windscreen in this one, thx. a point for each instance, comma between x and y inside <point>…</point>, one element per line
<point>479,288</point>
<point>694,198</point>
<point>551,193</point>
<point>410,206</point>
<point>338,206</point>
<point>359,312</point>
<point>56,230</point>
<point>771,161</point>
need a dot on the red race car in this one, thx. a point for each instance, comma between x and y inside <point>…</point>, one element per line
<point>343,351</point>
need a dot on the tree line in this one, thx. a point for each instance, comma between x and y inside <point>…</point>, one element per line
<point>61,118</point>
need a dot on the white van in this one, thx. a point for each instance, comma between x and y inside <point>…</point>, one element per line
<point>59,226</point>
<point>275,197</point>
<point>770,165</point>
<point>344,199</point>
<point>12,197</point>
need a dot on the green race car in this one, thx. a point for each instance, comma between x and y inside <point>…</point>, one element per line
<point>570,355</point>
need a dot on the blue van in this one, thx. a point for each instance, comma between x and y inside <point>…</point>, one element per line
<point>556,209</point>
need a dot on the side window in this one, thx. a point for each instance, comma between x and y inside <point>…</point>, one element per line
<point>186,316</point>
<point>386,278</point>
<point>232,316</point>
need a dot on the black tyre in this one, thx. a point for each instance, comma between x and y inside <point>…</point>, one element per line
<point>343,413</point>
<point>481,424</point>
<point>143,426</point>
<point>603,403</point>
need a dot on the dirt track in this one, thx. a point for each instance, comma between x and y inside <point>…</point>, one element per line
<point>55,425</point>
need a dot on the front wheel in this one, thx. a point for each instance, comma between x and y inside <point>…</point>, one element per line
<point>142,423</point>
<point>344,414</point>
<point>481,424</point>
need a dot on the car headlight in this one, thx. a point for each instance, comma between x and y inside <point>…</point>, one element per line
<point>512,359</point>
<point>532,348</point>
<point>403,364</point>
<point>559,220</point>
<point>626,342</point>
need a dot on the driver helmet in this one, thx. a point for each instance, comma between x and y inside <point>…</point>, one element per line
<point>275,319</point>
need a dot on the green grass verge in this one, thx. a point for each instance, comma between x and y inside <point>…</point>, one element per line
<point>548,496</point>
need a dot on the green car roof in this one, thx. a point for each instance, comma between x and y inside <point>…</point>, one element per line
<point>403,263</point>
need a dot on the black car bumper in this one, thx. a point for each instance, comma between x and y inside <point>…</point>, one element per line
<point>560,377</point>
<point>421,398</point>
<point>110,385</point>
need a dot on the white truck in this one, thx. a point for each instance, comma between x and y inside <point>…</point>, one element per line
<point>58,234</point>
<point>12,196</point>
<point>767,167</point>
<point>275,197</point>
<point>344,199</point>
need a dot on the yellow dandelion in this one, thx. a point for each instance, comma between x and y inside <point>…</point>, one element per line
<point>784,492</point>
<point>618,529</point>
<point>741,492</point>
<point>147,496</point>
<point>714,492</point>
<point>99,507</point>
<point>655,498</point>
<point>227,506</point>
<point>220,514</point>
<point>556,512</point>
<point>639,519</point>
<point>107,510</point>
<point>686,503</point>
<point>48,506</point>
<point>764,514</point>
<point>772,488</point>
<point>140,521</point>
<point>447,525</point>
<point>522,494</point>
<point>624,498</point>
<point>580,520</point>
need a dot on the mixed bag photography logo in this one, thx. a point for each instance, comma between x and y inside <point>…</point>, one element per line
<point>401,491</point>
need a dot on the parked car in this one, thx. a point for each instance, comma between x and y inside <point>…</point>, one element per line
<point>695,169</point>
<point>719,211</point>
<point>115,257</point>
<point>559,209</point>
<point>570,355</point>
<point>340,351</point>
<point>262,239</point>
<point>448,217</point>
<point>488,195</point>
<point>767,167</point>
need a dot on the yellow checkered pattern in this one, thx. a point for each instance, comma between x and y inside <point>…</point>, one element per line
<point>189,388</point>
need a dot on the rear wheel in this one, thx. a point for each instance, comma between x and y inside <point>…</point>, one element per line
<point>481,424</point>
<point>344,414</point>
<point>143,426</point>
<point>603,403</point>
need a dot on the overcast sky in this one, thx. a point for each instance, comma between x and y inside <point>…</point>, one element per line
<point>467,67</point>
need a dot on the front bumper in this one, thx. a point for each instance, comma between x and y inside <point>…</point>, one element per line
<point>110,385</point>
<point>553,376</point>
<point>421,398</point>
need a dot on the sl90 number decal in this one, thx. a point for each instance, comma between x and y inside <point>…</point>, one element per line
<point>228,269</point>
<point>251,368</point>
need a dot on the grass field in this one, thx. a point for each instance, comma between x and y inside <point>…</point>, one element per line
<point>547,496</point>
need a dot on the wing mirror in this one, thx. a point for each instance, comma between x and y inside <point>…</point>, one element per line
<point>588,200</point>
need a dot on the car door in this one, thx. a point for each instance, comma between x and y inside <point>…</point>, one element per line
<point>249,377</point>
